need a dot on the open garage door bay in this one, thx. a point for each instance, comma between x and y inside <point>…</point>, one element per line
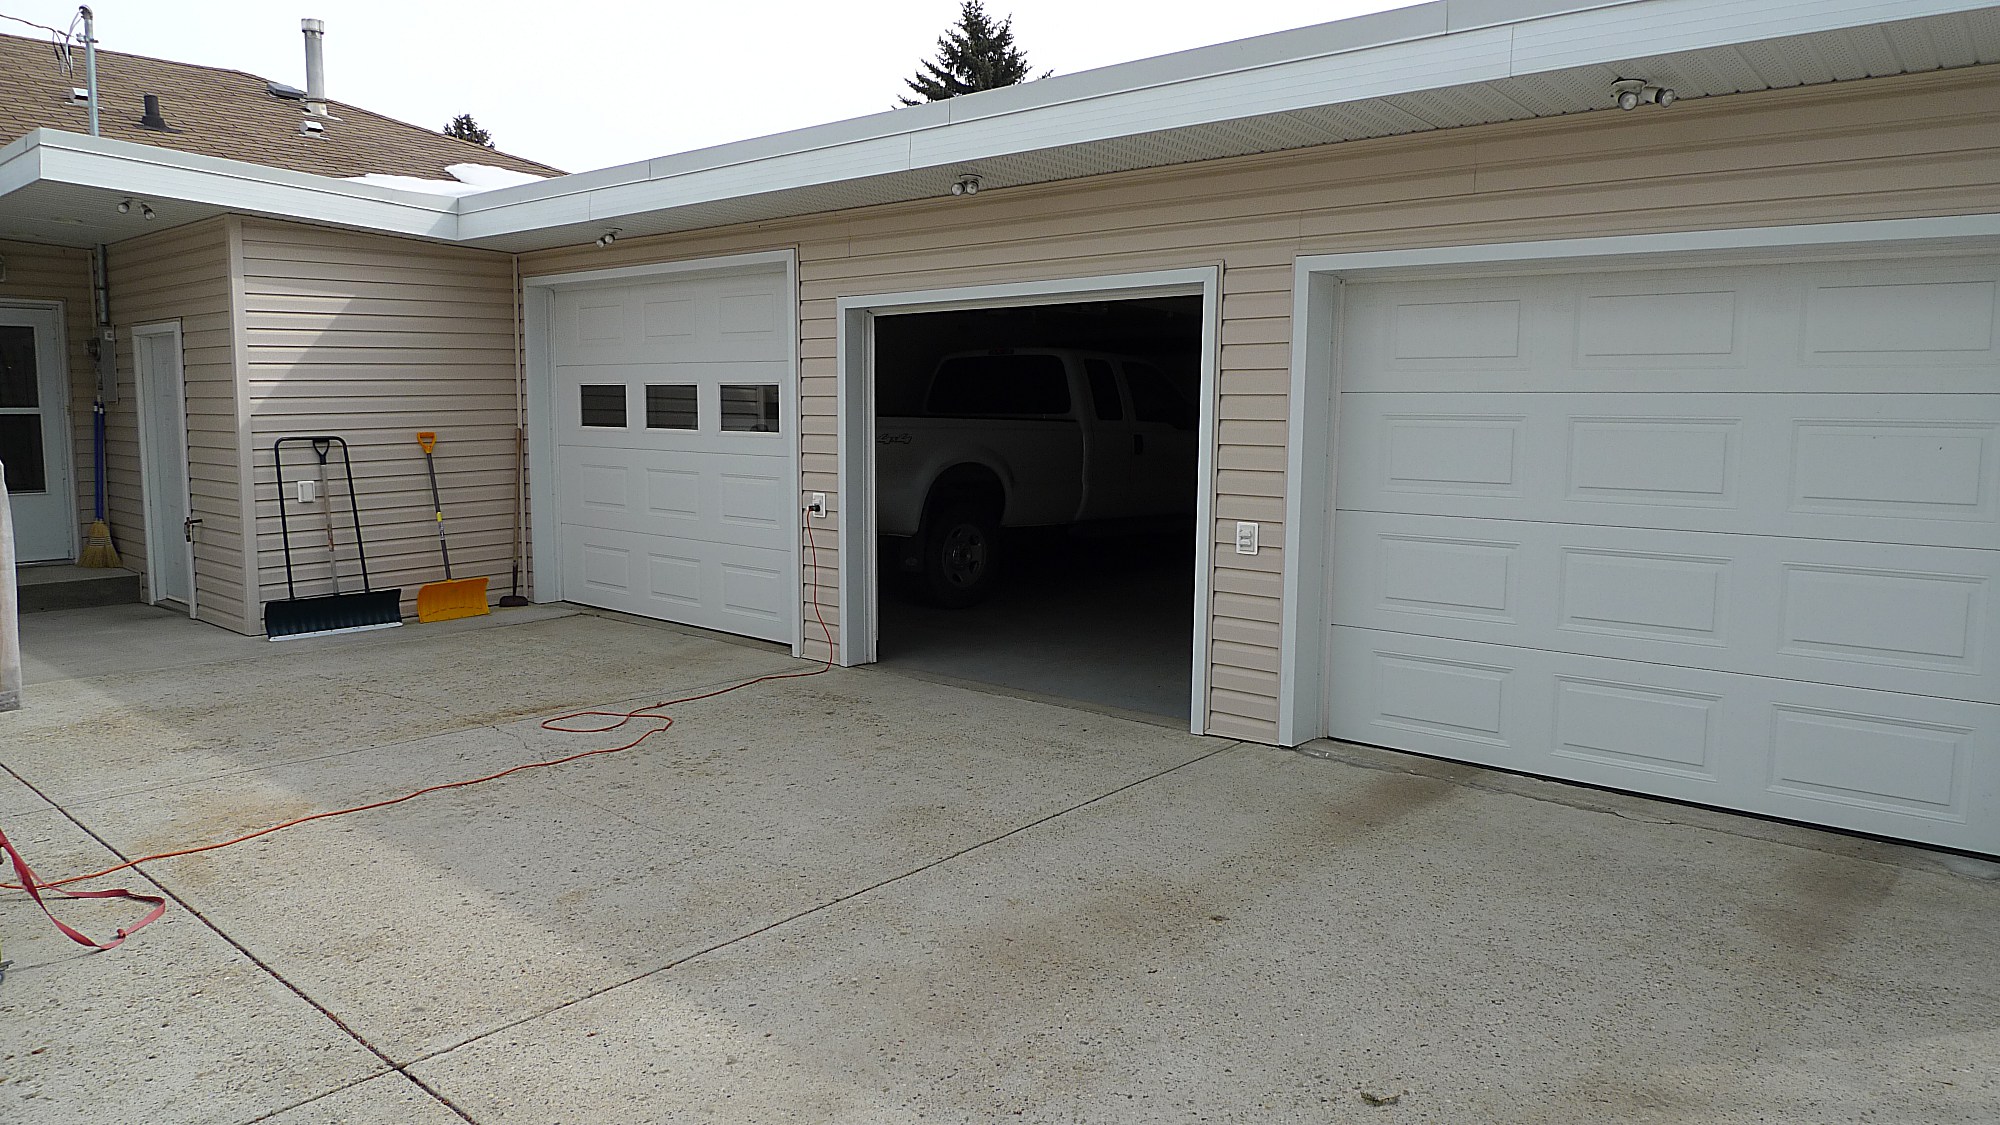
<point>1725,535</point>
<point>675,480</point>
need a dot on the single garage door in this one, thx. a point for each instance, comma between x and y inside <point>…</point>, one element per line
<point>1723,535</point>
<point>674,467</point>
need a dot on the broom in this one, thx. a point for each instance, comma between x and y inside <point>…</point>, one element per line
<point>97,549</point>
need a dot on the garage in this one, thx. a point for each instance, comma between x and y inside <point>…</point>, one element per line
<point>1721,534</point>
<point>1036,489</point>
<point>672,422</point>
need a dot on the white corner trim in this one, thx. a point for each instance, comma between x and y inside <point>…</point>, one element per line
<point>1315,390</point>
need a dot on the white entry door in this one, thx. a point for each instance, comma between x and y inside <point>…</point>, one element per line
<point>34,434</point>
<point>1730,536</point>
<point>163,455</point>
<point>674,401</point>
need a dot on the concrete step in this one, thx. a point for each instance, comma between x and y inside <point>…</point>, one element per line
<point>74,587</point>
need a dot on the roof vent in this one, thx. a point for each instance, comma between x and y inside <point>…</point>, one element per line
<point>288,93</point>
<point>151,119</point>
<point>312,128</point>
<point>79,96</point>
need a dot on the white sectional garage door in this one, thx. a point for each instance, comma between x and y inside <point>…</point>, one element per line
<point>1724,535</point>
<point>673,408</point>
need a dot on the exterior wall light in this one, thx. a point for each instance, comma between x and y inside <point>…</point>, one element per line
<point>965,185</point>
<point>608,237</point>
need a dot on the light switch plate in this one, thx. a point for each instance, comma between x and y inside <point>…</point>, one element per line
<point>1246,537</point>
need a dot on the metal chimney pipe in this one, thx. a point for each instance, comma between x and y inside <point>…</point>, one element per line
<point>315,67</point>
<point>90,62</point>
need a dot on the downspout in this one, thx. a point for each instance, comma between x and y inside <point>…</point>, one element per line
<point>514,598</point>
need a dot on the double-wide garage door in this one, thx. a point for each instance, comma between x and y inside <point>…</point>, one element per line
<point>674,471</point>
<point>1724,535</point>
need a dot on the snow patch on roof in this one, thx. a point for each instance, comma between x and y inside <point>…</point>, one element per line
<point>467,179</point>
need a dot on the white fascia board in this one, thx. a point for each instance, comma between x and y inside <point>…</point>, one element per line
<point>1447,43</point>
<point>166,174</point>
<point>1670,26</point>
<point>20,163</point>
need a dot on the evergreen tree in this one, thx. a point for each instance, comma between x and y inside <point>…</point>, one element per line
<point>466,129</point>
<point>975,54</point>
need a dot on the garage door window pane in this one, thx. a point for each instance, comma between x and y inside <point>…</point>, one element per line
<point>672,407</point>
<point>752,407</point>
<point>21,449</point>
<point>1001,386</point>
<point>604,405</point>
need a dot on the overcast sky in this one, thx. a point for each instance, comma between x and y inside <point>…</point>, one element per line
<point>587,85</point>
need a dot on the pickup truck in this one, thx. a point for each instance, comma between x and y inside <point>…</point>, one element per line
<point>1027,437</point>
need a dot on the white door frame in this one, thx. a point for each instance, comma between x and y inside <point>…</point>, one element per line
<point>860,570</point>
<point>538,298</point>
<point>155,472</point>
<point>63,455</point>
<point>1315,386</point>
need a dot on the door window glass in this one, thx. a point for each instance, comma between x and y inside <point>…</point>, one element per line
<point>1104,390</point>
<point>21,450</point>
<point>750,406</point>
<point>603,405</point>
<point>19,384</point>
<point>672,407</point>
<point>1156,399</point>
<point>1005,386</point>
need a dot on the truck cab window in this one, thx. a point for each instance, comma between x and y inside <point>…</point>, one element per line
<point>989,386</point>
<point>1156,399</point>
<point>1104,390</point>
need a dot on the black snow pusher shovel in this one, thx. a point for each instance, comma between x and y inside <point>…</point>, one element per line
<point>334,612</point>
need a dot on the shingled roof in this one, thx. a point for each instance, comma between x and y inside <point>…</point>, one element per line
<point>224,113</point>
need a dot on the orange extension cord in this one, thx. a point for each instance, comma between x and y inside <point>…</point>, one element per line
<point>34,886</point>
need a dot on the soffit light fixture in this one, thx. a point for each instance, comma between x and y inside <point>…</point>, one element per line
<point>1631,93</point>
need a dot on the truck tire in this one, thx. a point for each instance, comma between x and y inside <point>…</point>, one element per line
<point>961,555</point>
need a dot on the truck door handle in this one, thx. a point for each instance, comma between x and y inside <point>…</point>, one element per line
<point>1138,443</point>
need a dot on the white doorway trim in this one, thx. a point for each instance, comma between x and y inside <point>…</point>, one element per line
<point>538,342</point>
<point>1314,389</point>
<point>860,570</point>
<point>164,478</point>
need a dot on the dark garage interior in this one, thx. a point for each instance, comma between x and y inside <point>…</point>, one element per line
<point>1079,584</point>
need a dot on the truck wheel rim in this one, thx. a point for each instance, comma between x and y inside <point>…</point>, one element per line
<point>964,555</point>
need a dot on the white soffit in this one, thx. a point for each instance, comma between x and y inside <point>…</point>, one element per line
<point>63,188</point>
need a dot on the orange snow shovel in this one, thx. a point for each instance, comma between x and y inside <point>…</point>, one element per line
<point>452,598</point>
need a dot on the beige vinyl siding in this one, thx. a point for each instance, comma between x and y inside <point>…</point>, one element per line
<point>1866,150</point>
<point>183,275</point>
<point>374,338</point>
<point>61,274</point>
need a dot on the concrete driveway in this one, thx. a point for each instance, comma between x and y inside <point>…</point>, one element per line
<point>862,897</point>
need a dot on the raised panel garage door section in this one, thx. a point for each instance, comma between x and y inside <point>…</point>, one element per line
<point>1722,535</point>
<point>674,471</point>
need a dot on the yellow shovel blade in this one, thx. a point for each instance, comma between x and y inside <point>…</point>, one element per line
<point>452,599</point>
